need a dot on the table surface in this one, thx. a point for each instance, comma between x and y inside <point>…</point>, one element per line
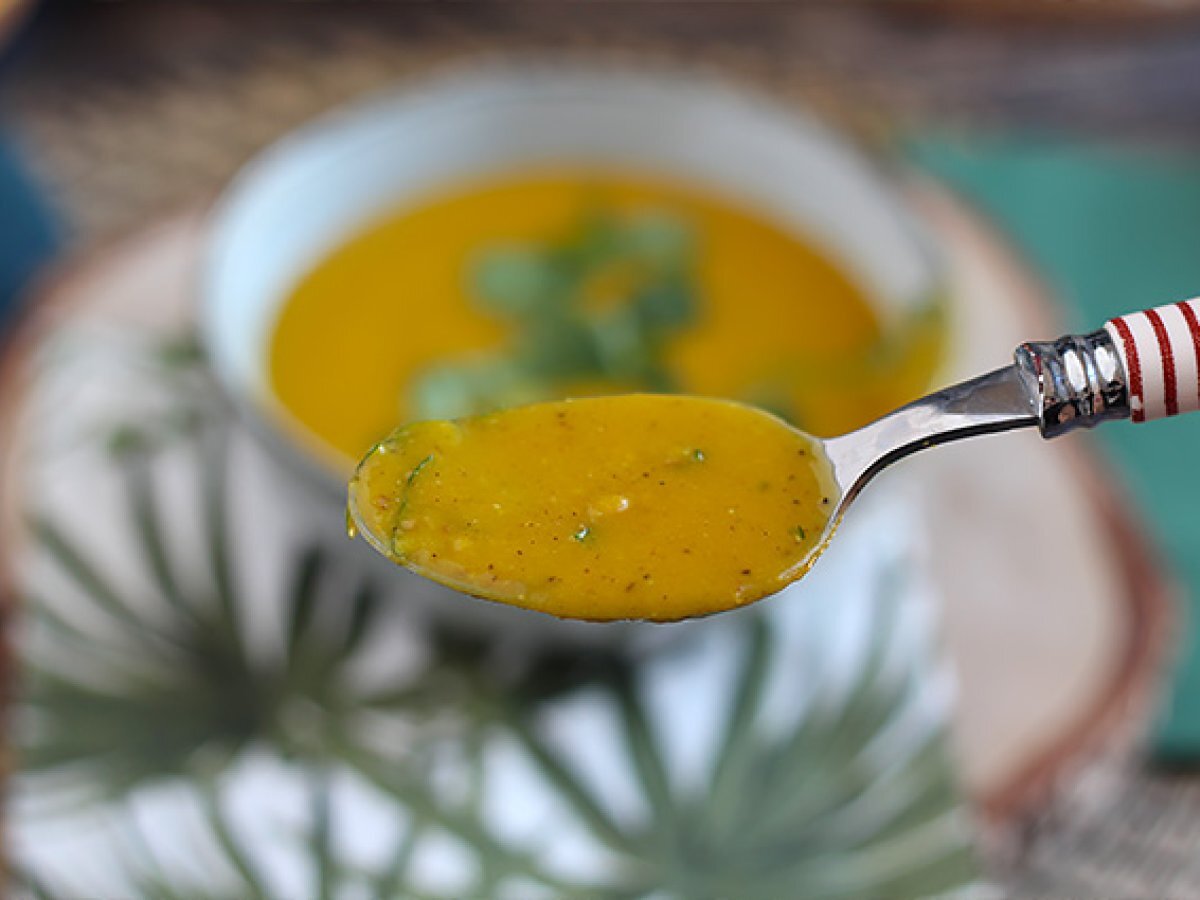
<point>130,111</point>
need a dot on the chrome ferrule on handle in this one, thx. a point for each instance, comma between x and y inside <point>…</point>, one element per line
<point>1077,381</point>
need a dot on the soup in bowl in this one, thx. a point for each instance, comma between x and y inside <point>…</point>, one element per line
<point>513,236</point>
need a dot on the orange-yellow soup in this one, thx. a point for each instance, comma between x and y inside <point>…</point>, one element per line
<point>776,322</point>
<point>628,507</point>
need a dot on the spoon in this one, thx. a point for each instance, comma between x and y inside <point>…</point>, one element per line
<point>785,492</point>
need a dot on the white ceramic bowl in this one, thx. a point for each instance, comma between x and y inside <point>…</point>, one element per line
<point>308,193</point>
<point>311,191</point>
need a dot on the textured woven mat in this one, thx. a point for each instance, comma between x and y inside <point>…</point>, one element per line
<point>132,110</point>
<point>136,108</point>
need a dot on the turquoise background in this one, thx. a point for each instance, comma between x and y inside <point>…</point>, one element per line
<point>1113,228</point>
<point>28,233</point>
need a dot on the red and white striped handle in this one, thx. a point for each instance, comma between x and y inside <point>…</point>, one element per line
<point>1160,349</point>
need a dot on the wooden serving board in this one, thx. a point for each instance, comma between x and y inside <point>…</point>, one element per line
<point>1058,609</point>
<point>1056,606</point>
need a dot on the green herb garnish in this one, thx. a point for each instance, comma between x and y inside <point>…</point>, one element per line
<point>416,470</point>
<point>597,305</point>
<point>408,483</point>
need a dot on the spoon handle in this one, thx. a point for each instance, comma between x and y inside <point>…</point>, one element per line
<point>1160,351</point>
<point>1141,366</point>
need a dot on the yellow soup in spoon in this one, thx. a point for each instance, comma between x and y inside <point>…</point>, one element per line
<point>627,507</point>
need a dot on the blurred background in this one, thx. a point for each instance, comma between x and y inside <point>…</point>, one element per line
<point>1053,150</point>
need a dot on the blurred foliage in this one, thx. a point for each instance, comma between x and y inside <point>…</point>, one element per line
<point>167,686</point>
